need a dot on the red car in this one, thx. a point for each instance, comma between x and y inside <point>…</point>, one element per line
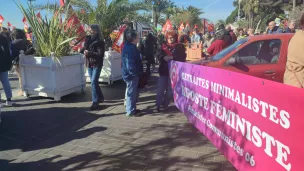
<point>261,56</point>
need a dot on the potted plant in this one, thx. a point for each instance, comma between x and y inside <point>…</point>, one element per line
<point>52,71</point>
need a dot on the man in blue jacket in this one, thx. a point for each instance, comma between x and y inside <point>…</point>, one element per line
<point>273,29</point>
<point>131,70</point>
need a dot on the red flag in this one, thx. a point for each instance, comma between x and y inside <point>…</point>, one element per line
<point>38,15</point>
<point>1,19</point>
<point>118,42</point>
<point>61,3</point>
<point>25,27</point>
<point>9,24</point>
<point>181,27</point>
<point>188,25</point>
<point>24,20</point>
<point>167,26</point>
<point>74,21</point>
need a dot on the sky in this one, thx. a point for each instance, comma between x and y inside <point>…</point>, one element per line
<point>213,9</point>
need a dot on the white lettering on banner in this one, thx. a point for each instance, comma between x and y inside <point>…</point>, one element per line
<point>252,133</point>
<point>258,106</point>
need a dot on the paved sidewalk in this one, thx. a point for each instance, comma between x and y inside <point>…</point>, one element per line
<point>42,135</point>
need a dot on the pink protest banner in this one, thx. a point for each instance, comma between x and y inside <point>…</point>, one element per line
<point>257,124</point>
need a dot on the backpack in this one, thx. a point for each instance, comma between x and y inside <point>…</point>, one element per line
<point>179,53</point>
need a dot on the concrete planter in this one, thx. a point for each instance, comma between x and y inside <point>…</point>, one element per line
<point>111,70</point>
<point>51,77</point>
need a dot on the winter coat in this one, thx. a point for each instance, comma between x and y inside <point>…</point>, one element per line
<point>288,30</point>
<point>275,30</point>
<point>184,39</point>
<point>216,47</point>
<point>228,38</point>
<point>147,49</point>
<point>96,48</point>
<point>294,73</point>
<point>166,50</point>
<point>131,62</point>
<point>233,36</point>
<point>5,57</point>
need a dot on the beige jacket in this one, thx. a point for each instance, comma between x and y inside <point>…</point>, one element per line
<point>294,73</point>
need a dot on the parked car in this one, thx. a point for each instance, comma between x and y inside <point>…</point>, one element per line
<point>261,56</point>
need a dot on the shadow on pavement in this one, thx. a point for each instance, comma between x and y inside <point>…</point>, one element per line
<point>164,150</point>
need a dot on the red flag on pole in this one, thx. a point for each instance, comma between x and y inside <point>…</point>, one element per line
<point>1,19</point>
<point>181,27</point>
<point>74,21</point>
<point>167,26</point>
<point>38,15</point>
<point>61,3</point>
<point>118,42</point>
<point>9,24</point>
<point>24,20</point>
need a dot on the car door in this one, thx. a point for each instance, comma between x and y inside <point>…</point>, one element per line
<point>258,58</point>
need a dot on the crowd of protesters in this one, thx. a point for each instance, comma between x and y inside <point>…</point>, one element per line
<point>160,48</point>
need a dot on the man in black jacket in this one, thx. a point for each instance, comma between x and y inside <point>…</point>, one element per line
<point>5,66</point>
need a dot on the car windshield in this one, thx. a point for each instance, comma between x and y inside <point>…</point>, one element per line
<point>229,49</point>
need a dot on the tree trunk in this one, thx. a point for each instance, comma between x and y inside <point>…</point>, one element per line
<point>294,5</point>
<point>155,20</point>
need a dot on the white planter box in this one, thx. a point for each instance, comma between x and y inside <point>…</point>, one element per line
<point>111,70</point>
<point>50,77</point>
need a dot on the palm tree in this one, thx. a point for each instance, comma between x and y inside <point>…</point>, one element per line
<point>109,15</point>
<point>171,10</point>
<point>190,14</point>
<point>250,8</point>
<point>158,7</point>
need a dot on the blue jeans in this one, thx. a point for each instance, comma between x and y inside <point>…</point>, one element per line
<point>131,95</point>
<point>164,91</point>
<point>6,84</point>
<point>94,74</point>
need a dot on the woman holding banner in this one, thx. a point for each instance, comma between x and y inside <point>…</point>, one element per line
<point>295,62</point>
